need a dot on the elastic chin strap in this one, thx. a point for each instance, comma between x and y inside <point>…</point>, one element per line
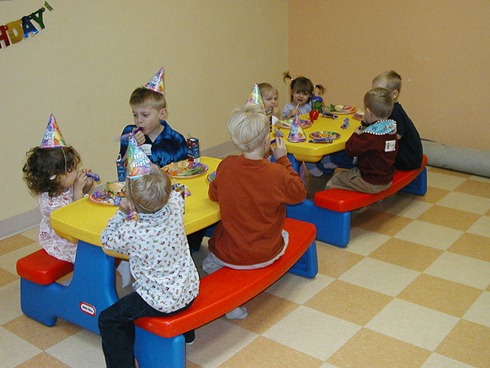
<point>52,177</point>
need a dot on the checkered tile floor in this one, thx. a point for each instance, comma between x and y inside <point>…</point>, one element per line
<point>412,289</point>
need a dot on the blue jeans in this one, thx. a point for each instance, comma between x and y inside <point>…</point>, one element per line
<point>116,325</point>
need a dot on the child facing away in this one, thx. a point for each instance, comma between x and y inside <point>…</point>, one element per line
<point>375,146</point>
<point>269,98</point>
<point>52,174</point>
<point>167,281</point>
<point>252,193</point>
<point>410,149</point>
<point>302,90</point>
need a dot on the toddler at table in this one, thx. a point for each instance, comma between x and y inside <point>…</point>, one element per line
<point>374,145</point>
<point>269,98</point>
<point>161,143</point>
<point>252,193</point>
<point>148,227</point>
<point>302,90</point>
<point>51,173</point>
<point>410,149</point>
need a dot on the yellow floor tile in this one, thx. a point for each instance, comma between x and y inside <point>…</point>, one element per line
<point>468,342</point>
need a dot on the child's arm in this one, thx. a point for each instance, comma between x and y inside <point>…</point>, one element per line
<point>79,185</point>
<point>280,148</point>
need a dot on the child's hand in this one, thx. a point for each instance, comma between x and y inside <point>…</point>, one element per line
<point>79,185</point>
<point>139,136</point>
<point>126,206</point>
<point>280,149</point>
<point>89,181</point>
<point>359,129</point>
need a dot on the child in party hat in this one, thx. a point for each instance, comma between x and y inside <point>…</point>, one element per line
<point>51,173</point>
<point>270,99</point>
<point>149,228</point>
<point>159,141</point>
<point>252,194</point>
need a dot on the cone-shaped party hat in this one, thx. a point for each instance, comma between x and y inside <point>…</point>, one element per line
<point>52,136</point>
<point>255,97</point>
<point>138,162</point>
<point>157,83</point>
<point>296,133</point>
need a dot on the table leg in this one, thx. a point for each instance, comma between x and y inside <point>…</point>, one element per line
<point>91,290</point>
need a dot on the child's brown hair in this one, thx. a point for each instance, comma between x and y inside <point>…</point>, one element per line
<point>45,165</point>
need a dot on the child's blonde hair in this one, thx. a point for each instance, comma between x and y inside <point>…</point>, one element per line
<point>266,88</point>
<point>248,126</point>
<point>145,96</point>
<point>150,192</point>
<point>390,80</point>
<point>379,102</point>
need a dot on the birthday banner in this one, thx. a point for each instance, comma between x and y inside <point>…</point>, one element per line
<point>15,31</point>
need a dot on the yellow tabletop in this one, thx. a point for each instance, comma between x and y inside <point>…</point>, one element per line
<point>313,152</point>
<point>85,220</point>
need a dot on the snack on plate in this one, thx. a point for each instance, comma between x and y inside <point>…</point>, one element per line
<point>184,169</point>
<point>340,109</point>
<point>116,188</point>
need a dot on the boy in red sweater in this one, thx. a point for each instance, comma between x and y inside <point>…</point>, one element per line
<point>375,146</point>
<point>252,193</point>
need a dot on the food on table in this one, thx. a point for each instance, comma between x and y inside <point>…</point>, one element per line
<point>116,188</point>
<point>185,169</point>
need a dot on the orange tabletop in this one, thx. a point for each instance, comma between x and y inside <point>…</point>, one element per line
<point>313,152</point>
<point>85,220</point>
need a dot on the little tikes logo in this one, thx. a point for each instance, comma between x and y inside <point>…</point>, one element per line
<point>88,309</point>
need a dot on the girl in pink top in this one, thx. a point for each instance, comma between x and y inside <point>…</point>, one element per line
<point>53,176</point>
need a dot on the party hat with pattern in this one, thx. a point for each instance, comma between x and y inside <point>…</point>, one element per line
<point>52,136</point>
<point>157,83</point>
<point>138,162</point>
<point>255,97</point>
<point>296,133</point>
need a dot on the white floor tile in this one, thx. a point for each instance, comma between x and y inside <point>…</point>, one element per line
<point>441,361</point>
<point>82,350</point>
<point>481,227</point>
<point>413,323</point>
<point>312,332</point>
<point>380,276</point>
<point>431,235</point>
<point>14,350</point>
<point>466,202</point>
<point>299,289</point>
<point>10,302</point>
<point>364,242</point>
<point>443,181</point>
<point>462,269</point>
<point>480,310</point>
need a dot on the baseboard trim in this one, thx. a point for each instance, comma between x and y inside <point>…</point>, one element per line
<point>20,223</point>
<point>30,219</point>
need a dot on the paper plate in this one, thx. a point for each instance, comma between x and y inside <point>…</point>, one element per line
<point>325,134</point>
<point>105,198</point>
<point>185,169</point>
